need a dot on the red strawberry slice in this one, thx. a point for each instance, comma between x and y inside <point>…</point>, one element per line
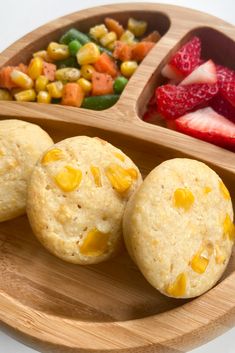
<point>209,126</point>
<point>175,101</point>
<point>187,58</point>
<point>172,73</point>
<point>223,107</point>
<point>226,82</point>
<point>205,73</point>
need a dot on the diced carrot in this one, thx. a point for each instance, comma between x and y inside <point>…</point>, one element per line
<point>72,95</point>
<point>106,65</point>
<point>152,37</point>
<point>101,84</point>
<point>5,75</point>
<point>114,26</point>
<point>140,50</point>
<point>122,51</point>
<point>49,70</point>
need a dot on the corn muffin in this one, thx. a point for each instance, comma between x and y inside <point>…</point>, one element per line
<point>76,199</point>
<point>178,228</point>
<point>21,145</point>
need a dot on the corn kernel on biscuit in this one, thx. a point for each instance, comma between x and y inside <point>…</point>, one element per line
<point>21,144</point>
<point>76,198</point>
<point>178,228</point>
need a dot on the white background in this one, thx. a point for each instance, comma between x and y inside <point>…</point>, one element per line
<point>18,17</point>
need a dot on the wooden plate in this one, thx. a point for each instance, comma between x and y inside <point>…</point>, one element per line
<point>59,307</point>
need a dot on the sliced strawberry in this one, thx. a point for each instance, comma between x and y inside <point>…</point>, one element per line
<point>175,101</point>
<point>226,82</point>
<point>152,116</point>
<point>209,126</point>
<point>187,58</point>
<point>205,73</point>
<point>172,73</point>
<point>223,107</point>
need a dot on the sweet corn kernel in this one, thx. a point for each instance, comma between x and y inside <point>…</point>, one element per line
<point>178,288</point>
<point>95,243</point>
<point>127,37</point>
<point>21,79</point>
<point>85,84</point>
<point>138,28</point>
<point>224,190</point>
<point>119,177</point>
<point>183,198</point>
<point>133,173</point>
<point>69,178</point>
<point>120,156</point>
<point>55,89</point>
<point>108,38</point>
<point>28,95</point>
<point>207,189</point>
<point>87,71</point>
<point>96,175</point>
<point>128,68</point>
<point>44,97</point>
<point>35,68</point>
<point>5,95</point>
<point>199,263</point>
<point>98,31</point>
<point>229,228</point>
<point>51,156</point>
<point>58,51</point>
<point>88,54</point>
<point>43,55</point>
<point>41,83</point>
<point>68,74</point>
<point>220,255</point>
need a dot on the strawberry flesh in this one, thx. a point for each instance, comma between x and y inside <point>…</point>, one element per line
<point>187,57</point>
<point>209,126</point>
<point>175,101</point>
<point>205,73</point>
<point>223,107</point>
<point>226,83</point>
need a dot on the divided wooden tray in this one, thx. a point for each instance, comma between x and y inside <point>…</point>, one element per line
<point>59,307</point>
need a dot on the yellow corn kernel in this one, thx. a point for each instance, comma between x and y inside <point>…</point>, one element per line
<point>58,51</point>
<point>108,38</point>
<point>68,74</point>
<point>35,68</point>
<point>207,189</point>
<point>229,228</point>
<point>43,55</point>
<point>87,71</point>
<point>133,173</point>
<point>224,190</point>
<point>41,83</point>
<point>88,54</point>
<point>138,28</point>
<point>119,177</point>
<point>98,31</point>
<point>28,95</point>
<point>51,156</point>
<point>85,84</point>
<point>44,97</point>
<point>178,288</point>
<point>127,37</point>
<point>21,79</point>
<point>96,175</point>
<point>95,243</point>
<point>5,95</point>
<point>183,198</point>
<point>55,89</point>
<point>128,68</point>
<point>119,156</point>
<point>69,178</point>
<point>199,262</point>
<point>220,255</point>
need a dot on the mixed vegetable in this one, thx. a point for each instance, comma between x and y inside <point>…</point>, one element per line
<point>81,70</point>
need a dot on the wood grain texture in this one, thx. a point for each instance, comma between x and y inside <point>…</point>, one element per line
<point>59,307</point>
